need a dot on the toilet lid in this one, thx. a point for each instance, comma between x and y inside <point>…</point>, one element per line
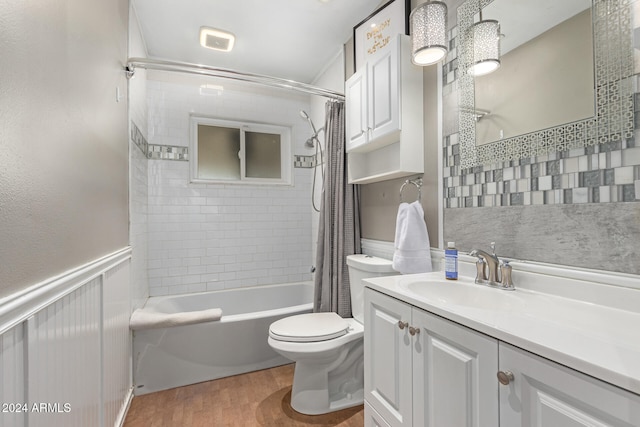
<point>309,327</point>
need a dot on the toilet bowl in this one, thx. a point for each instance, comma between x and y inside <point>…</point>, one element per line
<point>327,349</point>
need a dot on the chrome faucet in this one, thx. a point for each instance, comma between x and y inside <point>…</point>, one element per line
<point>487,269</point>
<point>492,263</point>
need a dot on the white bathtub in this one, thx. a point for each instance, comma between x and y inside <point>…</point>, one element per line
<point>237,343</point>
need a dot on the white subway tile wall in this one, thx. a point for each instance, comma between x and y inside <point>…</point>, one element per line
<point>204,237</point>
<point>138,210</point>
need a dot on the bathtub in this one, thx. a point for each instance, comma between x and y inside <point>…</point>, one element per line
<point>237,343</point>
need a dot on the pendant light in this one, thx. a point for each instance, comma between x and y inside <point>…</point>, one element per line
<point>486,47</point>
<point>428,33</point>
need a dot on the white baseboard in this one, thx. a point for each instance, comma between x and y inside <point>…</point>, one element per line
<point>122,416</point>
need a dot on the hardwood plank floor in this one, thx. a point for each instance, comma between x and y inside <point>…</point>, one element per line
<point>256,399</point>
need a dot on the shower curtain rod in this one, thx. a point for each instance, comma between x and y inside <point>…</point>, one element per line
<point>186,67</point>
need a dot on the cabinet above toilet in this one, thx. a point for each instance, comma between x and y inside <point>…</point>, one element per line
<point>384,117</point>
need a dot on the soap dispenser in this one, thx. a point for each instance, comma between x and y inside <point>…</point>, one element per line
<point>451,262</point>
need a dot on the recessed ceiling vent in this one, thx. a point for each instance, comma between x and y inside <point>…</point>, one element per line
<point>216,39</point>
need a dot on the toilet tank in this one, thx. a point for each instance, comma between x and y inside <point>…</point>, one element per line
<point>363,267</point>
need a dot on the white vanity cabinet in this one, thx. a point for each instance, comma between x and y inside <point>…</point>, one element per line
<point>446,375</point>
<point>443,375</point>
<point>544,393</point>
<point>384,116</point>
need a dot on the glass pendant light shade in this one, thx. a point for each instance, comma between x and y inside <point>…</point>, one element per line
<point>428,33</point>
<point>486,47</point>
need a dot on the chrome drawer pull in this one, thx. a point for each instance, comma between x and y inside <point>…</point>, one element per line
<point>505,377</point>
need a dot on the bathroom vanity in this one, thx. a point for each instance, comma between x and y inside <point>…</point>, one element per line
<point>453,353</point>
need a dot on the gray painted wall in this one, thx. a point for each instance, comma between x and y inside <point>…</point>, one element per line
<point>63,152</point>
<point>379,201</point>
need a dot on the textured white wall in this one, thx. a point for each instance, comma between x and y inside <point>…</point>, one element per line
<point>63,156</point>
<point>215,236</point>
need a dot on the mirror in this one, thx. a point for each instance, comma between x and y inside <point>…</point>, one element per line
<point>552,92</point>
<point>554,48</point>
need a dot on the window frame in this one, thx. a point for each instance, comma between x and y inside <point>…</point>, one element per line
<point>286,175</point>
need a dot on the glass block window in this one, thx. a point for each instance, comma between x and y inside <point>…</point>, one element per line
<point>226,151</point>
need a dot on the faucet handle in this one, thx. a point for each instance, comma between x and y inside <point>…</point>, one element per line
<point>481,274</point>
<point>493,248</point>
<point>505,274</point>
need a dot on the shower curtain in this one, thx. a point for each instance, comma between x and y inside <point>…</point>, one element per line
<point>339,227</point>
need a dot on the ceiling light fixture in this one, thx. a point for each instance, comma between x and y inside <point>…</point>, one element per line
<point>428,33</point>
<point>213,38</point>
<point>486,47</point>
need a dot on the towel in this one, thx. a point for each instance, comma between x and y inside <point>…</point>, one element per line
<point>146,319</point>
<point>412,249</point>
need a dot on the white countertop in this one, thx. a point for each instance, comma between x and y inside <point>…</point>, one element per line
<point>602,341</point>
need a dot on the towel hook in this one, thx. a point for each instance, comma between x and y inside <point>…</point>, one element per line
<point>417,182</point>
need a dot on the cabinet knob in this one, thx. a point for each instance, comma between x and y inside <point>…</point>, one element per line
<point>413,331</point>
<point>505,377</point>
<point>402,324</point>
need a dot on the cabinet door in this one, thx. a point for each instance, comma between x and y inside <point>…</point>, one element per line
<point>387,358</point>
<point>356,109</point>
<point>384,96</point>
<point>545,394</point>
<point>372,418</point>
<point>454,372</point>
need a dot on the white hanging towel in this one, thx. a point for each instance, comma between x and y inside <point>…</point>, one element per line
<point>146,319</point>
<point>412,252</point>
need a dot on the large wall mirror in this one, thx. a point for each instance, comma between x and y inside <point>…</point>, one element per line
<point>564,80</point>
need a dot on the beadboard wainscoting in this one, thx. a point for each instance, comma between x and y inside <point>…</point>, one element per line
<point>66,348</point>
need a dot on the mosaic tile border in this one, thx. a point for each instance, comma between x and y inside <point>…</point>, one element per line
<point>138,139</point>
<point>600,173</point>
<point>180,153</point>
<point>450,66</point>
<point>304,161</point>
<point>168,152</point>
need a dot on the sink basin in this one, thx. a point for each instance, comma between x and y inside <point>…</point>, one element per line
<point>463,293</point>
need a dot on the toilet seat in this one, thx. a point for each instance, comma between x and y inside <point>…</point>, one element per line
<point>310,327</point>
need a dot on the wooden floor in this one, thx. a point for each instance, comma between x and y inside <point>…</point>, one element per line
<point>255,399</point>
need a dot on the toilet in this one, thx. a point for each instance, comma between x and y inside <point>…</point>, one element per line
<point>329,350</point>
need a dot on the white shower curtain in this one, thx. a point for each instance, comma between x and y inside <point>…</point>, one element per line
<point>339,228</point>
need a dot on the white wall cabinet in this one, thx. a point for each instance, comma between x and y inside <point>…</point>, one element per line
<point>446,375</point>
<point>422,370</point>
<point>384,116</point>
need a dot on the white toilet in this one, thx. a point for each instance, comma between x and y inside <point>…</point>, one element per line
<point>329,350</point>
